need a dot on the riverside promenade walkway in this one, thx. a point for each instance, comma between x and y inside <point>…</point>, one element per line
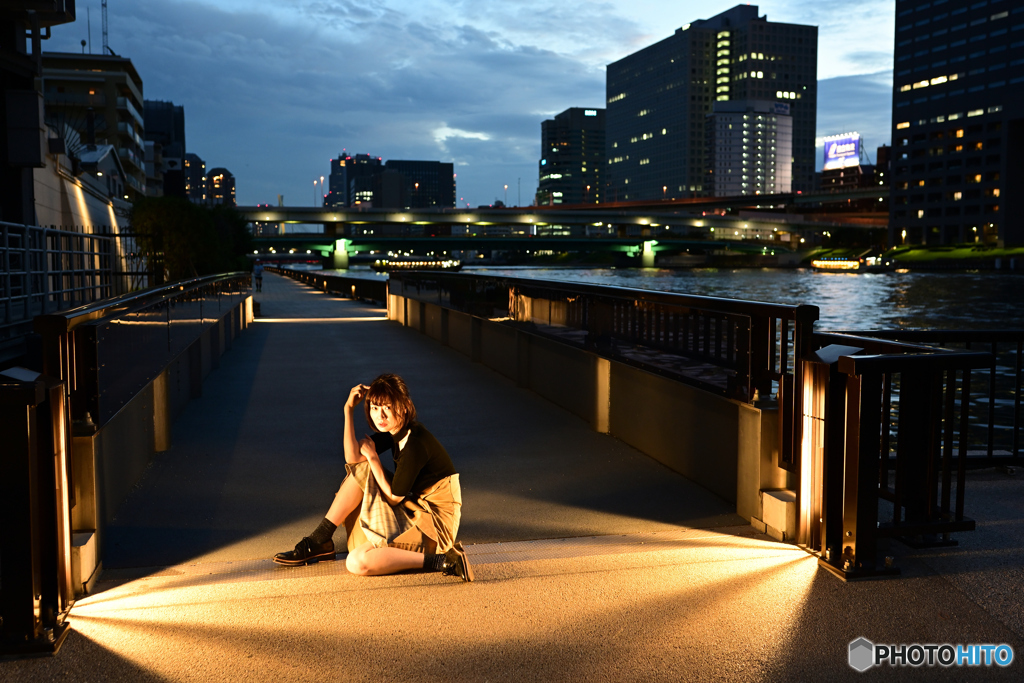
<point>593,561</point>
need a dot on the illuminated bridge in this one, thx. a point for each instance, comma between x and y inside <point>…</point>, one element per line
<point>632,227</point>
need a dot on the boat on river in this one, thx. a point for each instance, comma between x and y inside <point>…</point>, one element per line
<point>390,265</point>
<point>865,262</point>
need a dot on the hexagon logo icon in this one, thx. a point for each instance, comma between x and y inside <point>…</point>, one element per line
<point>862,654</point>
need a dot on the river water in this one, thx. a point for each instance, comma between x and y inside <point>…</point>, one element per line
<point>846,301</point>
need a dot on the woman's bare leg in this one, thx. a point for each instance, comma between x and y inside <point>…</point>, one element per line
<point>347,499</point>
<point>369,561</point>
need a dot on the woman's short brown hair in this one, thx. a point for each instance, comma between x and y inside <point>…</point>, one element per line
<point>390,390</point>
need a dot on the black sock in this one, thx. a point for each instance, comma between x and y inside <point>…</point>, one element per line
<point>324,532</point>
<point>433,563</point>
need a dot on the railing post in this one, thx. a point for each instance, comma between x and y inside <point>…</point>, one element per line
<point>35,547</point>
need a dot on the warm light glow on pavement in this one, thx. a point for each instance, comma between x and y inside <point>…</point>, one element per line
<point>321,320</point>
<point>603,603</point>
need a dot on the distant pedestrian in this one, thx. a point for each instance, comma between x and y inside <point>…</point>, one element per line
<point>395,522</point>
<point>257,274</point>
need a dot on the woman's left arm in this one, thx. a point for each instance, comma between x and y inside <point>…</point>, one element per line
<point>369,451</point>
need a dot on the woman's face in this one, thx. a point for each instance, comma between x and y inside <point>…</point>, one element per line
<point>384,418</point>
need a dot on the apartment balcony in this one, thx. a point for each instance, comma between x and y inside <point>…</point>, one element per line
<point>125,103</point>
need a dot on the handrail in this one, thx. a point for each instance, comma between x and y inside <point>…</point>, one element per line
<point>951,360</point>
<point>65,321</point>
<point>743,350</point>
<point>996,403</point>
<point>104,363</point>
<point>347,286</point>
<point>739,306</point>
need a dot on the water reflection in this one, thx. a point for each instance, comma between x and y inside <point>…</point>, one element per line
<point>847,301</point>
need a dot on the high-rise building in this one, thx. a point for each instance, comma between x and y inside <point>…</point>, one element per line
<point>749,148</point>
<point>658,98</point>
<point>572,158</point>
<point>364,180</point>
<point>425,183</point>
<point>351,180</point>
<point>220,187</point>
<point>165,147</point>
<point>100,98</point>
<point>195,178</point>
<point>958,123</point>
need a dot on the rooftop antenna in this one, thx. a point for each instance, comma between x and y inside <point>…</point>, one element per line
<point>864,157</point>
<point>106,44</point>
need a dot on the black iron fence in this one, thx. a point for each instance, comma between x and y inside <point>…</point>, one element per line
<point>743,350</point>
<point>993,426</point>
<point>107,351</point>
<point>362,288</point>
<point>886,454</point>
<point>43,270</point>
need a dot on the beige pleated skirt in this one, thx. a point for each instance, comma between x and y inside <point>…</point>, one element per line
<point>424,523</point>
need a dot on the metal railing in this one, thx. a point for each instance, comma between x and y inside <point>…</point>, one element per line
<point>884,421</point>
<point>994,423</point>
<point>108,351</point>
<point>743,350</point>
<point>365,289</point>
<point>43,270</point>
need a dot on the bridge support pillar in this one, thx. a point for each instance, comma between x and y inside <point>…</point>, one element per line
<point>340,259</point>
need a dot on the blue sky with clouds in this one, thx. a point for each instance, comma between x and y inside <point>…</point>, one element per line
<point>273,89</point>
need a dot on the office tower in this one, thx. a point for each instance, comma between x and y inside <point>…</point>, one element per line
<point>749,148</point>
<point>100,98</point>
<point>572,158</point>
<point>362,180</point>
<point>351,180</point>
<point>195,178</point>
<point>658,98</point>
<point>958,123</point>
<point>425,183</point>
<point>165,147</point>
<point>337,183</point>
<point>220,187</point>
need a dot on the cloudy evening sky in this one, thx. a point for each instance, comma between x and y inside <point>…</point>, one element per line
<point>273,89</point>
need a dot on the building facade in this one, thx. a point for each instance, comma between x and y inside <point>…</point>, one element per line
<point>958,123</point>
<point>572,158</point>
<point>220,187</point>
<point>749,148</point>
<point>364,180</point>
<point>100,98</point>
<point>351,180</point>
<point>424,184</point>
<point>165,148</point>
<point>658,99</point>
<point>195,178</point>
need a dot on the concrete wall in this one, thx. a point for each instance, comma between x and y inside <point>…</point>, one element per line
<point>726,446</point>
<point>109,462</point>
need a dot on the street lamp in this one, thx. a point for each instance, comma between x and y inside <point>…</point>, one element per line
<point>664,189</point>
<point>506,195</point>
<point>314,193</point>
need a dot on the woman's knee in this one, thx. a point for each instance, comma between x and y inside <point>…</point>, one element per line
<point>356,562</point>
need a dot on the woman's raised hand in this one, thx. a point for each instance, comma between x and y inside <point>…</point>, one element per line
<point>355,397</point>
<point>367,448</point>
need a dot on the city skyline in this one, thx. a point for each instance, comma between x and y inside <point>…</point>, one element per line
<point>273,91</point>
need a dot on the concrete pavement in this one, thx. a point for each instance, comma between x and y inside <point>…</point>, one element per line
<point>593,561</point>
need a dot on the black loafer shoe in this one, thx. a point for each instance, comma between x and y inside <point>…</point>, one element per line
<point>306,552</point>
<point>457,564</point>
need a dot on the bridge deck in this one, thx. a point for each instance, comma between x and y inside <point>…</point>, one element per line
<point>593,561</point>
